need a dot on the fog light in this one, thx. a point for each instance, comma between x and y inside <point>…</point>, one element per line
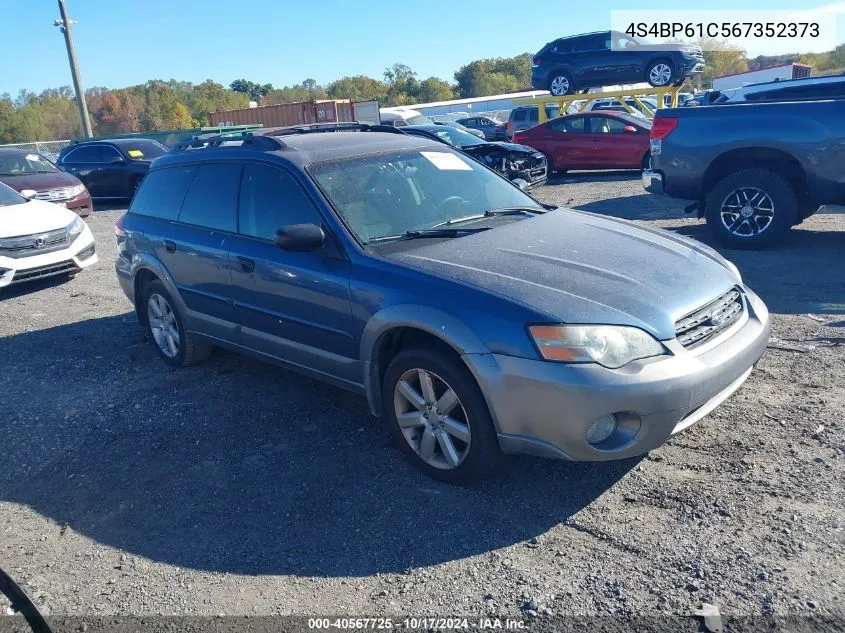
<point>601,429</point>
<point>87,252</point>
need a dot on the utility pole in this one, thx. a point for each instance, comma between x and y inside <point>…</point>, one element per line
<point>64,25</point>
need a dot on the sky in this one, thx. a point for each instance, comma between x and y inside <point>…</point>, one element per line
<point>125,42</point>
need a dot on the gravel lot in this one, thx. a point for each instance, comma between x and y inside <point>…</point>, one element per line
<point>239,488</point>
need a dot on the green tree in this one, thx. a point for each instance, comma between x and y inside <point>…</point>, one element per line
<point>728,60</point>
<point>162,110</point>
<point>434,89</point>
<point>484,77</point>
<point>402,84</point>
<point>210,96</point>
<point>359,88</point>
<point>254,90</point>
<point>308,90</point>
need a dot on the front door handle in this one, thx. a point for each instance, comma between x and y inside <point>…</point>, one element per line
<point>246,264</point>
<point>170,246</point>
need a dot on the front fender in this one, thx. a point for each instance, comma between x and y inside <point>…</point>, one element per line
<point>438,323</point>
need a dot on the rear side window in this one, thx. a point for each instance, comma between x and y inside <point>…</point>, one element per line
<point>162,192</point>
<point>210,201</point>
<point>269,200</point>
<point>534,115</point>
<point>84,154</point>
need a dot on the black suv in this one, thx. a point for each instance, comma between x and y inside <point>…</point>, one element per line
<point>607,58</point>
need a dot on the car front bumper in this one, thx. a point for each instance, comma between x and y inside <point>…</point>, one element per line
<point>545,408</point>
<point>80,254</point>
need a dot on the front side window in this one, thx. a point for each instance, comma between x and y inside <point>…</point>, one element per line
<point>144,149</point>
<point>386,195</point>
<point>109,154</point>
<point>210,201</point>
<point>269,200</point>
<point>162,191</point>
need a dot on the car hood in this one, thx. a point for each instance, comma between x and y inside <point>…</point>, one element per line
<point>40,182</point>
<point>484,149</point>
<point>33,217</point>
<point>578,267</point>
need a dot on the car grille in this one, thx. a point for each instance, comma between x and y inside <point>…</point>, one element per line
<point>55,195</point>
<point>708,321</point>
<point>28,245</point>
<point>30,274</point>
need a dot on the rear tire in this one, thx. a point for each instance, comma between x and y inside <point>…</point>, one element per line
<point>752,208</point>
<point>560,84</point>
<point>176,347</point>
<point>477,454</point>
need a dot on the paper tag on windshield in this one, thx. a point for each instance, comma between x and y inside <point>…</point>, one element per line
<point>33,157</point>
<point>135,153</point>
<point>446,161</point>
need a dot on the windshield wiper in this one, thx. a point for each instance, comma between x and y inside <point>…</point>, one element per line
<point>424,233</point>
<point>492,212</point>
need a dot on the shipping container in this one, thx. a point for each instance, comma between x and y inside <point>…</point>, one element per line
<point>301,113</point>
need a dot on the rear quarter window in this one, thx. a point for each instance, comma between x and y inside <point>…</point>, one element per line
<point>162,192</point>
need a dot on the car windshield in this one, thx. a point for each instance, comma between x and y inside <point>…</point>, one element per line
<point>9,196</point>
<point>390,194</point>
<point>14,163</point>
<point>145,150</point>
<point>457,137</point>
<point>419,119</point>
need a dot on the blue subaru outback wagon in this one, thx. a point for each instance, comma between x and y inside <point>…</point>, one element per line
<point>475,320</point>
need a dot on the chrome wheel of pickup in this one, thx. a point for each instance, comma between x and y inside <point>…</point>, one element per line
<point>163,326</point>
<point>432,419</point>
<point>747,211</point>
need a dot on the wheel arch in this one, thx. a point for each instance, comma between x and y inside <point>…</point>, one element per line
<point>148,269</point>
<point>399,327</point>
<point>775,160</point>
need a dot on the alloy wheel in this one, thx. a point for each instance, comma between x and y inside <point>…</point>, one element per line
<point>747,211</point>
<point>162,320</point>
<point>660,74</point>
<point>432,419</point>
<point>560,86</point>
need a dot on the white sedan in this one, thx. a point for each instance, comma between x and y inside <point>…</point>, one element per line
<point>40,239</point>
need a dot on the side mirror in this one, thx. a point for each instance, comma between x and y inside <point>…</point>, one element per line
<point>300,237</point>
<point>629,129</point>
<point>29,194</point>
<point>522,184</point>
<point>117,160</point>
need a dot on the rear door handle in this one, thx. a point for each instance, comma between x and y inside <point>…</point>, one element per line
<point>170,246</point>
<point>246,264</point>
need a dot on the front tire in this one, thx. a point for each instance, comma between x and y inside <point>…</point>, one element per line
<point>752,208</point>
<point>438,416</point>
<point>659,73</point>
<point>561,84</point>
<point>176,347</point>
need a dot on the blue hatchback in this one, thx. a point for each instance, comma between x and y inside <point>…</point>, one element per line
<point>474,319</point>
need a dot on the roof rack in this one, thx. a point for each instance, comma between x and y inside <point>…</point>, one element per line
<point>246,140</point>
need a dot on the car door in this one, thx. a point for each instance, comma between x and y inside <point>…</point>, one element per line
<point>85,162</point>
<point>113,173</point>
<point>624,59</point>
<point>293,306</point>
<point>590,61</point>
<point>612,147</point>
<point>568,142</point>
<point>195,249</point>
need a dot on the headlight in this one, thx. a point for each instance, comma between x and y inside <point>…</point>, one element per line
<point>611,346</point>
<point>76,190</point>
<point>76,227</point>
<point>732,267</point>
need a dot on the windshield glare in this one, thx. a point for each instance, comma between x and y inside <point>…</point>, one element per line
<point>14,163</point>
<point>418,119</point>
<point>457,137</point>
<point>389,194</point>
<point>9,196</point>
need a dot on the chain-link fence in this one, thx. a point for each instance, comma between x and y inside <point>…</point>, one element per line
<point>50,149</point>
